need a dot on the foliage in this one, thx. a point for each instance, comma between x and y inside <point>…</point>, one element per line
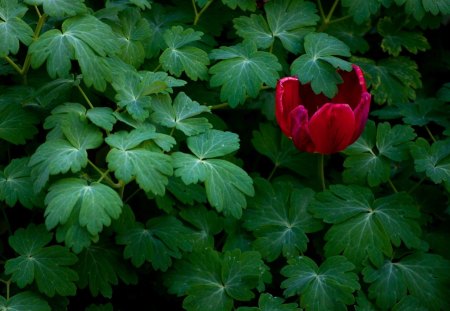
<point>140,160</point>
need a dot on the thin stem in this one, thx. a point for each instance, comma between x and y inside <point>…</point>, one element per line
<point>8,284</point>
<point>157,67</point>
<point>13,64</point>
<point>413,188</point>
<point>218,106</point>
<point>132,195</point>
<point>322,172</point>
<point>322,12</point>
<point>340,19</point>
<point>198,14</point>
<point>37,32</point>
<point>272,172</point>
<point>195,7</point>
<point>326,19</point>
<point>104,175</point>
<point>429,133</point>
<point>172,131</point>
<point>392,185</point>
<point>85,96</point>
<point>330,14</point>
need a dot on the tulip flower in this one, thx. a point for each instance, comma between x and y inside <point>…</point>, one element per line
<point>316,123</point>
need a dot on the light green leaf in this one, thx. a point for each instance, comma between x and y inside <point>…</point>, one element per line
<point>366,227</point>
<point>60,8</point>
<point>47,266</point>
<point>17,185</point>
<point>279,219</point>
<point>421,275</point>
<point>394,38</point>
<point>319,64</point>
<point>102,265</point>
<point>102,117</point>
<point>24,301</point>
<point>286,20</point>
<point>242,71</point>
<point>84,38</point>
<point>162,239</point>
<point>180,114</point>
<point>180,56</point>
<point>328,287</point>
<point>12,28</point>
<point>434,160</point>
<point>213,144</point>
<point>17,124</point>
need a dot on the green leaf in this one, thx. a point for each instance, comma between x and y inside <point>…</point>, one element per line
<point>136,91</point>
<point>17,185</point>
<point>392,80</point>
<point>270,142</point>
<point>244,5</point>
<point>328,287</point>
<point>421,275</point>
<point>12,28</point>
<point>84,38</point>
<point>226,184</point>
<point>374,164</point>
<point>279,219</point>
<point>366,227</point>
<point>128,161</point>
<point>24,301</point>
<point>318,65</point>
<point>47,266</point>
<point>394,38</point>
<point>267,302</point>
<point>212,281</point>
<point>100,266</point>
<point>362,9</point>
<point>186,194</point>
<point>242,72</point>
<point>180,56</point>
<point>98,204</point>
<point>286,20</point>
<point>162,239</point>
<point>424,111</point>
<point>102,117</point>
<point>180,114</point>
<point>60,8</point>
<point>434,160</point>
<point>352,35</point>
<point>17,124</point>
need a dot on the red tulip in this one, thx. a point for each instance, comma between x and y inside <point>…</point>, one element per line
<point>318,124</point>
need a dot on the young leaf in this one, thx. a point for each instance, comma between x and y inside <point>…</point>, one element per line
<point>100,266</point>
<point>211,281</point>
<point>180,56</point>
<point>24,301</point>
<point>328,287</point>
<point>394,38</point>
<point>267,302</point>
<point>391,80</point>
<point>362,9</point>
<point>47,266</point>
<point>12,28</point>
<point>150,168</point>
<point>17,185</point>
<point>286,20</point>
<point>318,65</point>
<point>162,239</point>
<point>60,8</point>
<point>242,71</point>
<point>366,227</point>
<point>84,38</point>
<point>434,160</point>
<point>279,219</point>
<point>17,124</point>
<point>99,204</point>
<point>421,275</point>
<point>225,183</point>
<point>180,114</point>
<point>364,161</point>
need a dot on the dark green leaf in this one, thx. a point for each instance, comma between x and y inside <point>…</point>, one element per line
<point>17,124</point>
<point>434,160</point>
<point>328,287</point>
<point>362,9</point>
<point>242,72</point>
<point>245,5</point>
<point>24,301</point>
<point>352,35</point>
<point>318,65</point>
<point>267,302</point>
<point>102,117</point>
<point>60,8</point>
<point>47,266</point>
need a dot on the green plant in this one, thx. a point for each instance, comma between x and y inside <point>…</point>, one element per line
<point>140,161</point>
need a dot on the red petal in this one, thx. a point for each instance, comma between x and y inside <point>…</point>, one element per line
<point>361,114</point>
<point>287,99</point>
<point>332,128</point>
<point>352,87</point>
<point>299,129</point>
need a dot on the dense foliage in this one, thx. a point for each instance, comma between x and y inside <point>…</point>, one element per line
<point>141,164</point>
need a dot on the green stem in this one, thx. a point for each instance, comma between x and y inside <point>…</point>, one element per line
<point>13,64</point>
<point>218,106</point>
<point>340,19</point>
<point>104,175</point>
<point>8,284</point>
<point>413,188</point>
<point>430,134</point>
<point>322,12</point>
<point>157,67</point>
<point>272,172</point>
<point>198,14</point>
<point>322,172</point>
<point>326,19</point>
<point>392,185</point>
<point>85,96</point>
